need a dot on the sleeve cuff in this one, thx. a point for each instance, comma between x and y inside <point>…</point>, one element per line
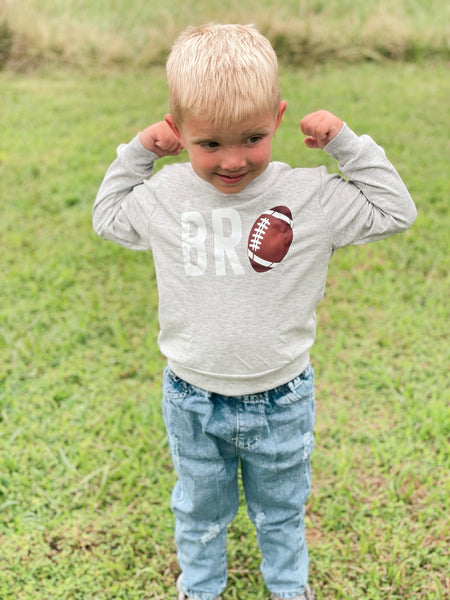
<point>137,157</point>
<point>345,143</point>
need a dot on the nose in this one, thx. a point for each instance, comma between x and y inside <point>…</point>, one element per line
<point>233,159</point>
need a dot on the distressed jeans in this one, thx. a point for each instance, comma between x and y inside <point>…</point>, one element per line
<point>270,434</point>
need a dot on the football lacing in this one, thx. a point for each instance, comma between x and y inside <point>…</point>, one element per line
<point>258,234</point>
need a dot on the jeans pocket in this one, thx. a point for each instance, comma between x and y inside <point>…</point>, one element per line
<point>175,389</point>
<point>299,389</point>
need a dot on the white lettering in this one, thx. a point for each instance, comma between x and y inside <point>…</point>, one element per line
<point>227,235</point>
<point>193,234</point>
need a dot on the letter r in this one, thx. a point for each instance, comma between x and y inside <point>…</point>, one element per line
<point>193,236</point>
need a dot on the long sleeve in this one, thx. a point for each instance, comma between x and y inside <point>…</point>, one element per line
<point>377,205</point>
<point>123,207</point>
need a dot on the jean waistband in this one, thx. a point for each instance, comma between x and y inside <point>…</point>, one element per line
<point>284,388</point>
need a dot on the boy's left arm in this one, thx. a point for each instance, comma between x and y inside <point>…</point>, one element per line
<point>373,203</point>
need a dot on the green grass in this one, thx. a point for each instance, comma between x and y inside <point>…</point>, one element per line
<point>76,32</point>
<point>85,473</point>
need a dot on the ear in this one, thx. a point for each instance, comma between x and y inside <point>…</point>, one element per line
<point>171,123</point>
<point>281,110</point>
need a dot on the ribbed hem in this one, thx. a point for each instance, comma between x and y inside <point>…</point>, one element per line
<point>238,384</point>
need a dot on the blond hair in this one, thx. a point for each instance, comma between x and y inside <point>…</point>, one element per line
<point>222,74</point>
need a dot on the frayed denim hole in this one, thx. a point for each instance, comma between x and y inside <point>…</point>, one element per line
<point>308,445</point>
<point>174,450</point>
<point>212,532</point>
<point>260,520</point>
<point>261,398</point>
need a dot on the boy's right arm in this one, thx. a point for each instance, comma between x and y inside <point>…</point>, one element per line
<point>123,206</point>
<point>160,139</point>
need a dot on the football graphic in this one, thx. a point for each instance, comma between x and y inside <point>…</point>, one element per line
<point>270,238</point>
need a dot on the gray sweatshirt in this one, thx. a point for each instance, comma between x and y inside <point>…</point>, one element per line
<point>240,275</point>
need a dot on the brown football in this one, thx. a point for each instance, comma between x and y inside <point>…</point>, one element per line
<point>270,238</point>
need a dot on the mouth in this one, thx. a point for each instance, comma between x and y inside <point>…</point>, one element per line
<point>231,179</point>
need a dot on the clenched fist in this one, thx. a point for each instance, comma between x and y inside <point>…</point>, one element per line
<point>320,128</point>
<point>160,139</point>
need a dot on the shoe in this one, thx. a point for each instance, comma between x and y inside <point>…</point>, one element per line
<point>182,595</point>
<point>308,594</point>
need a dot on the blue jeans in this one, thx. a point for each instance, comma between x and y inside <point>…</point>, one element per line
<point>271,435</point>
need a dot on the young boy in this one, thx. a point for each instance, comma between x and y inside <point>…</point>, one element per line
<point>241,247</point>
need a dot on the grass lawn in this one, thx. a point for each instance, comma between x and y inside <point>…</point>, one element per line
<point>138,32</point>
<point>85,472</point>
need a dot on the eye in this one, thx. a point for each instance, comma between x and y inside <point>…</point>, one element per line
<point>253,139</point>
<point>209,145</point>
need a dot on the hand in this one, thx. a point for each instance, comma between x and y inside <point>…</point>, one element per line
<point>160,139</point>
<point>320,128</point>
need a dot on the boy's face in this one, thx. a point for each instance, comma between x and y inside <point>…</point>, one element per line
<point>229,158</point>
